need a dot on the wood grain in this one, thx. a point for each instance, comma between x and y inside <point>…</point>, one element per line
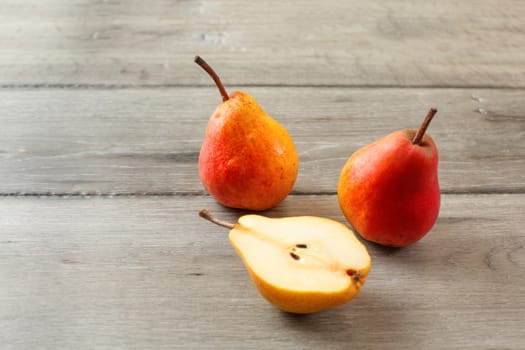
<point>146,272</point>
<point>102,116</point>
<point>136,141</point>
<point>358,43</point>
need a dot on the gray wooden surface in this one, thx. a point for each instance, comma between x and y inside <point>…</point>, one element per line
<point>102,116</point>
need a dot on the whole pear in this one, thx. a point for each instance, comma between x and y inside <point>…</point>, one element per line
<point>247,160</point>
<point>389,190</point>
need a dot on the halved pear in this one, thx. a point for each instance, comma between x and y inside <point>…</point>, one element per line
<point>300,264</point>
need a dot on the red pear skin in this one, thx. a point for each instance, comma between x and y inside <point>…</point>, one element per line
<point>389,190</point>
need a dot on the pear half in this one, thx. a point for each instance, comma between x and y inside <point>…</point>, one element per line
<point>300,264</point>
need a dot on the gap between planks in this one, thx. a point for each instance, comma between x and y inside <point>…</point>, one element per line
<point>203,194</point>
<point>74,86</point>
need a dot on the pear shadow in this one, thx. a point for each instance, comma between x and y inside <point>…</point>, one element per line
<point>363,321</point>
<point>321,326</point>
<point>382,250</point>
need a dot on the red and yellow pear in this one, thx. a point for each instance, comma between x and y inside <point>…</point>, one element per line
<point>389,190</point>
<point>247,160</point>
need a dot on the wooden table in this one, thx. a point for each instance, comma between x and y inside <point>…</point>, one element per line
<point>102,116</point>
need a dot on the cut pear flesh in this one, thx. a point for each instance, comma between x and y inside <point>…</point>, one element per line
<point>301,264</point>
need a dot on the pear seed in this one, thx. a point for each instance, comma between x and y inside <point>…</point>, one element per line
<point>354,274</point>
<point>295,256</point>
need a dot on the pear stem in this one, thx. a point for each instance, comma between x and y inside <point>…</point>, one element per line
<point>206,215</point>
<point>214,76</point>
<point>419,135</point>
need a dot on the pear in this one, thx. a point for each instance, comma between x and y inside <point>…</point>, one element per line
<point>247,160</point>
<point>389,190</point>
<point>300,264</point>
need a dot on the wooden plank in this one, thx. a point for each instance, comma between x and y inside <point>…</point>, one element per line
<point>147,140</point>
<point>147,273</point>
<point>445,43</point>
